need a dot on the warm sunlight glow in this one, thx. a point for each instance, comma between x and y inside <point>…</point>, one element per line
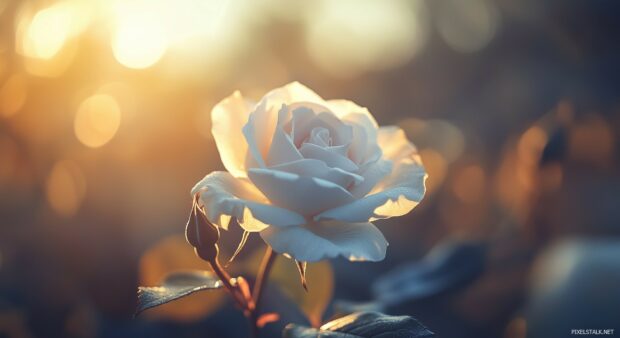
<point>347,37</point>
<point>65,188</point>
<point>97,120</point>
<point>145,30</point>
<point>46,33</point>
<point>139,41</point>
<point>12,95</point>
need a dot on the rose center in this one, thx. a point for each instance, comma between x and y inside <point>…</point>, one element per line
<point>320,136</point>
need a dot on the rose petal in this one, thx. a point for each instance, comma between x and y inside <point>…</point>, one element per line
<point>228,117</point>
<point>373,173</point>
<point>318,169</point>
<point>258,133</point>
<point>395,145</point>
<point>339,132</point>
<point>225,196</point>
<point>282,149</point>
<point>331,158</point>
<point>320,136</point>
<point>318,241</point>
<point>349,111</point>
<point>293,92</point>
<point>363,147</point>
<point>262,122</point>
<point>305,195</point>
<point>396,194</point>
<point>300,117</point>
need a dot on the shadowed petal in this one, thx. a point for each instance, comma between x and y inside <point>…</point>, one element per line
<point>318,241</point>
<point>282,149</point>
<point>331,158</point>
<point>305,195</point>
<point>225,196</point>
<point>316,168</point>
<point>372,173</point>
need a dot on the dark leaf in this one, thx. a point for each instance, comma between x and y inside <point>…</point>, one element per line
<point>363,325</point>
<point>555,149</point>
<point>345,307</point>
<point>301,266</point>
<point>175,286</point>
<point>447,267</point>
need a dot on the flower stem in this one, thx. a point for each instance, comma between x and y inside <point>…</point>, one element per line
<point>261,280</point>
<point>225,278</point>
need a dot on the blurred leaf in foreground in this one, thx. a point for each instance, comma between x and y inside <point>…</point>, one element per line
<point>168,256</point>
<point>175,286</point>
<point>363,325</point>
<point>319,278</point>
<point>448,266</point>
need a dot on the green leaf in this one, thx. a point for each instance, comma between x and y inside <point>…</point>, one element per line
<point>451,265</point>
<point>285,274</point>
<point>363,325</point>
<point>176,285</point>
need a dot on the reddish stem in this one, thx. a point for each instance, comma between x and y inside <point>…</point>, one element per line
<point>261,280</point>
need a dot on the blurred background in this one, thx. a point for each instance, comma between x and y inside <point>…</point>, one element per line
<point>513,104</point>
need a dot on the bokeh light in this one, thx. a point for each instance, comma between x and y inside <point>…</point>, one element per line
<point>65,188</point>
<point>105,126</point>
<point>592,142</point>
<point>348,37</point>
<point>97,120</point>
<point>44,35</point>
<point>146,30</point>
<point>469,184</point>
<point>440,135</point>
<point>436,167</point>
<point>467,26</point>
<point>47,32</point>
<point>139,41</point>
<point>13,94</point>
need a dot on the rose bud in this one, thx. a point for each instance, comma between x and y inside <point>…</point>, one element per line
<point>202,234</point>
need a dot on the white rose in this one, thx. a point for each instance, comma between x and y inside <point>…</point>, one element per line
<point>310,175</point>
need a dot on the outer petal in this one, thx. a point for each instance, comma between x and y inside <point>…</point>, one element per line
<point>349,111</point>
<point>258,133</point>
<point>396,194</point>
<point>225,196</point>
<point>228,117</point>
<point>318,241</point>
<point>305,195</point>
<point>294,92</point>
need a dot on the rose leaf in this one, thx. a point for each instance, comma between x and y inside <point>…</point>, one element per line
<point>449,266</point>
<point>176,285</point>
<point>363,325</point>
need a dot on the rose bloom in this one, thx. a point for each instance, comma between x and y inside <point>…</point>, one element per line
<point>310,175</point>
